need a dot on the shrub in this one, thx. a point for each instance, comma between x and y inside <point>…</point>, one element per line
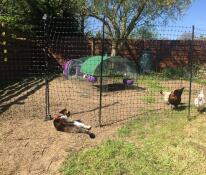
<point>176,73</point>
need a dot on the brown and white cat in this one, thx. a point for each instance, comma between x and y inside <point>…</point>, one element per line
<point>61,123</point>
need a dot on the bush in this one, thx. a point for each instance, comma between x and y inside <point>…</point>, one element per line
<point>175,73</point>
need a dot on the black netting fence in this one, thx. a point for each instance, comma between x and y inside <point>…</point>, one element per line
<point>74,64</point>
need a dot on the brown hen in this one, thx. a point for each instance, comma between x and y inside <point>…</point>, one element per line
<point>175,97</point>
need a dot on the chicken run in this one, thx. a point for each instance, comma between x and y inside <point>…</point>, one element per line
<point>75,86</point>
<point>34,157</point>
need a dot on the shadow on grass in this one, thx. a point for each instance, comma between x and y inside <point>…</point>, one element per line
<point>203,110</point>
<point>181,108</point>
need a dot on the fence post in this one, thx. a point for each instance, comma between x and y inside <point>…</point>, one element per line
<point>190,66</point>
<point>47,109</point>
<point>101,71</point>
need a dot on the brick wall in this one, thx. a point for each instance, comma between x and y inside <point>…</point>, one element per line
<point>165,53</point>
<point>25,56</point>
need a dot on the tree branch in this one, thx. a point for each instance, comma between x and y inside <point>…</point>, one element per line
<point>112,16</point>
<point>134,19</point>
<point>118,6</point>
<point>101,19</point>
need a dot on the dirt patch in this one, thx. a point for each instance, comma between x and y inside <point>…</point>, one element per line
<point>35,147</point>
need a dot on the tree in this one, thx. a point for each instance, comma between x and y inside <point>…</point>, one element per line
<point>24,14</point>
<point>186,36</point>
<point>144,32</point>
<point>122,16</point>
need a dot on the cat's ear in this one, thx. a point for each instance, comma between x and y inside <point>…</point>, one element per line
<point>63,111</point>
<point>68,113</point>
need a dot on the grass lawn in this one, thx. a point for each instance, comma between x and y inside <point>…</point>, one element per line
<point>153,144</point>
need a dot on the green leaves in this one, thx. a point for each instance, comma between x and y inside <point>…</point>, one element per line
<point>23,14</point>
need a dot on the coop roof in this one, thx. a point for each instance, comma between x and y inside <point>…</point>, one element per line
<point>112,65</point>
<point>91,64</point>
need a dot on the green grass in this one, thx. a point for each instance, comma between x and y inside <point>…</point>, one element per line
<point>200,81</point>
<point>153,84</point>
<point>172,144</point>
<point>149,99</point>
<point>153,144</point>
<point>108,158</point>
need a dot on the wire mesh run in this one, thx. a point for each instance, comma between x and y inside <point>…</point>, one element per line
<point>67,63</point>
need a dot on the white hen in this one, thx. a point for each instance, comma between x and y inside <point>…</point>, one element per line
<point>165,96</point>
<point>200,101</point>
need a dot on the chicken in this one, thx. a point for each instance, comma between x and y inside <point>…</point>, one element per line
<point>61,123</point>
<point>175,97</point>
<point>165,96</point>
<point>200,101</point>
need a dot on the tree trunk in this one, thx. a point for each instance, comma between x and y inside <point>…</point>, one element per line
<point>115,48</point>
<point>60,60</point>
<point>114,51</point>
<point>117,45</point>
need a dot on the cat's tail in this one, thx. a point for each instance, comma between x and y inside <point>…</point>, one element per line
<point>92,135</point>
<point>86,131</point>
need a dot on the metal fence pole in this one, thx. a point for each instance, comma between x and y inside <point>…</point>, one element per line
<point>191,69</point>
<point>47,107</point>
<point>101,78</point>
